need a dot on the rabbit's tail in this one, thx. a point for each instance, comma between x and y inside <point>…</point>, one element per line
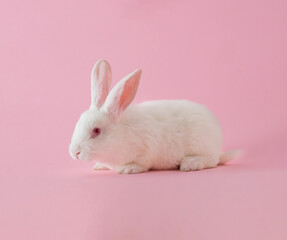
<point>229,155</point>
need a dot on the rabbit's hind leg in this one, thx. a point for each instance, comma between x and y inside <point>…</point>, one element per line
<point>193,163</point>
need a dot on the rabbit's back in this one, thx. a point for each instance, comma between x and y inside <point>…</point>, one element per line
<point>166,131</point>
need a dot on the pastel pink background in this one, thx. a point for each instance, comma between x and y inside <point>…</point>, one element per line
<point>229,55</point>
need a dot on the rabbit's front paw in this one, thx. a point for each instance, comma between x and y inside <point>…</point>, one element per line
<point>193,163</point>
<point>130,169</point>
<point>100,166</point>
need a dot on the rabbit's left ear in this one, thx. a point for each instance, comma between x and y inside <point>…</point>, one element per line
<point>122,94</point>
<point>101,78</point>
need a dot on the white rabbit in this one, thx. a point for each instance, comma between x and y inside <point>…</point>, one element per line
<point>159,135</point>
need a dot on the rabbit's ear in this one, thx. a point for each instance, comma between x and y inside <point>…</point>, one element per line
<point>122,94</point>
<point>101,78</point>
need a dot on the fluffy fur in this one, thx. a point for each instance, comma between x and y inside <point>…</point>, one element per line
<point>152,135</point>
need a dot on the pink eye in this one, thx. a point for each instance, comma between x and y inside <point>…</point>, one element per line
<point>96,132</point>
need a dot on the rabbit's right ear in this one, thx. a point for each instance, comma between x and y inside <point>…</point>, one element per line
<point>122,94</point>
<point>101,78</point>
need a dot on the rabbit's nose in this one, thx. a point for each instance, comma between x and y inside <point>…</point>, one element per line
<point>77,155</point>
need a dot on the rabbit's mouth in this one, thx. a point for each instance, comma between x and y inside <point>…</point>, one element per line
<point>77,155</point>
<point>83,157</point>
<point>74,154</point>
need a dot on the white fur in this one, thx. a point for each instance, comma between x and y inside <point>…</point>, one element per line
<point>159,135</point>
<point>101,78</point>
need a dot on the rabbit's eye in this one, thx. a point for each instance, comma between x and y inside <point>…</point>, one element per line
<point>96,132</point>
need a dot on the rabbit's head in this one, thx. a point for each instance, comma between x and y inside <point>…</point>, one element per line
<point>97,129</point>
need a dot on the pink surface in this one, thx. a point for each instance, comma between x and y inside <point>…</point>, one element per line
<point>229,55</point>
